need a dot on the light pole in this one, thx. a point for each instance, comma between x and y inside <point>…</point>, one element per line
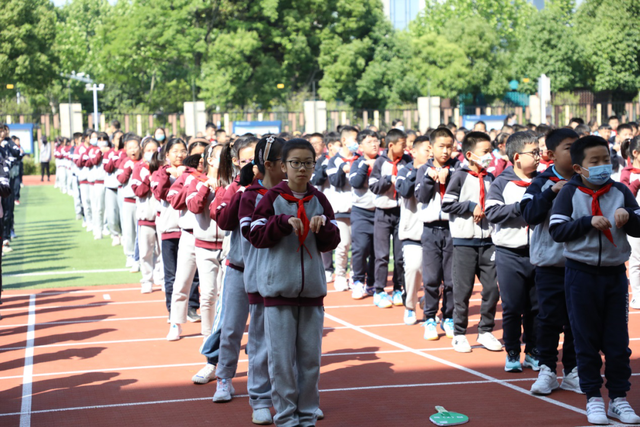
<point>95,88</point>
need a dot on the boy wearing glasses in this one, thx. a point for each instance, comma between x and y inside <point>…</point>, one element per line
<point>516,274</point>
<point>387,218</point>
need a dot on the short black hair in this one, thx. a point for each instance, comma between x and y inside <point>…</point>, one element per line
<point>517,141</point>
<point>210,125</point>
<point>452,126</point>
<point>440,132</point>
<point>480,122</point>
<point>115,124</point>
<point>331,137</point>
<point>315,135</point>
<point>471,140</point>
<point>614,117</point>
<point>363,134</point>
<point>543,129</point>
<point>580,146</point>
<point>604,127</point>
<point>297,143</point>
<point>348,129</point>
<point>396,121</point>
<point>556,136</point>
<point>577,120</point>
<point>583,130</point>
<point>219,131</point>
<point>77,135</point>
<point>394,135</point>
<point>624,126</point>
<point>420,140</point>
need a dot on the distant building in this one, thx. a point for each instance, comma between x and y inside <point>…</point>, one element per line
<point>402,12</point>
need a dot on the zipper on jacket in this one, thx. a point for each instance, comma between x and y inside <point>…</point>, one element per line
<point>302,267</point>
<point>599,248</point>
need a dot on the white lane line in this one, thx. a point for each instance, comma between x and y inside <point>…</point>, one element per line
<point>27,377</point>
<point>197,399</point>
<point>66,273</point>
<point>81,291</point>
<point>91,304</point>
<point>69,322</point>
<point>107,297</point>
<point>453,365</point>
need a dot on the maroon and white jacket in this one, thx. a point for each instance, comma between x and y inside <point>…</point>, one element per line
<point>167,217</point>
<point>146,204</point>
<point>199,200</point>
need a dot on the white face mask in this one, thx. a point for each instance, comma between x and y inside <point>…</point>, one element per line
<point>483,161</point>
<point>148,156</point>
<point>93,141</point>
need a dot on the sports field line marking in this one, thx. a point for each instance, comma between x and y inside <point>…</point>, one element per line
<point>197,399</point>
<point>91,304</point>
<point>180,365</point>
<point>79,291</point>
<point>27,377</point>
<point>70,322</point>
<point>66,272</point>
<point>454,365</point>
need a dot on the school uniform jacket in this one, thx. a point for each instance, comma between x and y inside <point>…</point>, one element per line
<point>430,193</point>
<point>410,227</point>
<point>5,187</point>
<point>361,195</point>
<point>199,199</point>
<point>177,197</point>
<point>503,210</point>
<point>536,207</point>
<point>461,198</point>
<point>96,173</point>
<point>630,177</point>
<point>124,173</point>
<point>146,204</point>
<point>292,274</point>
<point>498,165</point>
<point>251,255</point>
<point>167,219</point>
<point>340,196</point>
<point>80,158</point>
<point>571,224</point>
<point>110,166</point>
<point>225,211</point>
<point>380,180</point>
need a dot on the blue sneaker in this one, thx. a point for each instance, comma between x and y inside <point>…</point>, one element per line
<point>382,300</point>
<point>447,327</point>
<point>397,298</point>
<point>431,330</point>
<point>370,290</point>
<point>513,362</point>
<point>410,317</point>
<point>531,361</point>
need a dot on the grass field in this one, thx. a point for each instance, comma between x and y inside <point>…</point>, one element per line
<point>52,247</point>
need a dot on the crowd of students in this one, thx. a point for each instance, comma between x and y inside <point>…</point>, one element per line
<point>544,217</point>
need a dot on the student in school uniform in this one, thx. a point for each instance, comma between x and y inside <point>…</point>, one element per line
<point>592,217</point>
<point>473,250</point>
<point>128,212</point>
<point>410,226</point>
<point>98,191</point>
<point>208,236</point>
<point>82,157</point>
<point>387,218</point>
<point>362,216</point>
<point>630,176</point>
<point>516,274</point>
<point>111,161</point>
<point>325,150</point>
<point>146,209</point>
<point>74,157</point>
<point>295,223</point>
<point>437,246</point>
<point>340,197</point>
<point>186,269</point>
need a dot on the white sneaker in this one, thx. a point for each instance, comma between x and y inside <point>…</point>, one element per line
<point>224,391</point>
<point>146,288</point>
<point>340,283</point>
<point>571,382</point>
<point>84,224</point>
<point>358,291</point>
<point>262,417</point>
<point>329,276</point>
<point>319,414</point>
<point>97,236</point>
<point>461,344</point>
<point>410,317</point>
<point>115,241</point>
<point>174,332</point>
<point>106,232</point>
<point>488,341</point>
<point>135,268</point>
<point>129,262</point>
<point>620,409</point>
<point>89,227</point>
<point>547,382</point>
<point>205,374</point>
<point>595,411</point>
<point>635,303</point>
<point>431,330</point>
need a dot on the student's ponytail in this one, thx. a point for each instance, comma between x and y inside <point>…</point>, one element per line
<point>246,174</point>
<point>156,161</point>
<point>628,146</point>
<point>226,169</point>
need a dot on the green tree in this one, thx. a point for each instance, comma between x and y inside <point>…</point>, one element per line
<point>27,34</point>
<point>609,35</point>
<point>547,44</point>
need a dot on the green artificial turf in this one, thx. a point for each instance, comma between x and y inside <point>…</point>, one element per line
<point>50,240</point>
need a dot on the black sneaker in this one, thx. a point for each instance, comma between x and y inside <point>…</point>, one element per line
<point>193,316</point>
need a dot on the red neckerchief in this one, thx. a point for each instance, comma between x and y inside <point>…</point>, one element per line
<point>481,176</point>
<point>522,183</point>
<point>394,170</point>
<point>595,205</point>
<point>546,162</point>
<point>302,215</point>
<point>634,170</point>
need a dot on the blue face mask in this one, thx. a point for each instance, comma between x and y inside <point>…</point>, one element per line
<point>160,138</point>
<point>353,147</point>
<point>600,174</point>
